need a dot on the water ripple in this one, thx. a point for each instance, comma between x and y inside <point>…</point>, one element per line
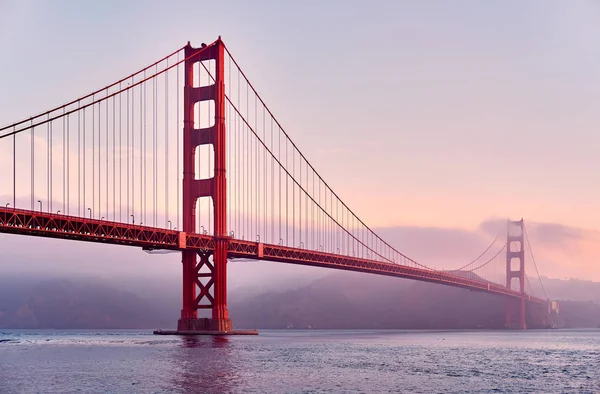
<point>552,361</point>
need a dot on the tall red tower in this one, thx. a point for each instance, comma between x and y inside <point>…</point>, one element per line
<point>515,268</point>
<point>204,273</point>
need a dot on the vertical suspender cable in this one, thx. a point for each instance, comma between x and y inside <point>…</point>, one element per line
<point>155,79</point>
<point>166,185</point>
<point>79,160</point>
<point>178,132</point>
<point>331,244</point>
<point>133,211</point>
<point>68,165</point>
<point>272,221</point>
<point>264,180</point>
<point>250,171</point>
<point>142,153</point>
<point>286,195</point>
<point>99,163</point>
<point>238,161</point>
<point>64,156</point>
<point>127,172</point>
<point>257,179</point>
<point>93,158</point>
<point>120,155</point>
<point>248,178</point>
<point>293,196</point>
<point>32,164</point>
<point>306,208</point>
<point>50,205</point>
<point>114,160</point>
<point>84,173</point>
<point>14,168</point>
<point>154,147</point>
<point>48,161</point>
<point>279,182</point>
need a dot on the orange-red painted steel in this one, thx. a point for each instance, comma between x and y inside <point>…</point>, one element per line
<point>43,224</point>
<point>215,188</point>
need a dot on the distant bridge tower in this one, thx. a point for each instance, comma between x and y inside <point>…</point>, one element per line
<point>515,268</point>
<point>204,279</point>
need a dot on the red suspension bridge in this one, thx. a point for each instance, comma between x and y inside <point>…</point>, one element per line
<point>185,155</point>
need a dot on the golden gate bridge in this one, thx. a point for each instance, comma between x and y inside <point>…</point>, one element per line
<point>185,155</point>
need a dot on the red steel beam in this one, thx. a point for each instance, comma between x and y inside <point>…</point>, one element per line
<point>43,224</point>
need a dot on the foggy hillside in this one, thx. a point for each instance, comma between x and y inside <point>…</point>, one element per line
<point>338,300</point>
<point>350,300</point>
<point>74,303</point>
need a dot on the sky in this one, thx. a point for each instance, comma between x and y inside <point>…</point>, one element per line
<point>431,117</point>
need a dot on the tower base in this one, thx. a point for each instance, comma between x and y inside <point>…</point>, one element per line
<point>204,324</point>
<point>205,332</point>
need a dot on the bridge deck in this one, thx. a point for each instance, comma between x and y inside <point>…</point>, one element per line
<point>34,223</point>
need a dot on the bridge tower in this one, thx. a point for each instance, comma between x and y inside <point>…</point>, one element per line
<point>204,273</point>
<point>515,268</point>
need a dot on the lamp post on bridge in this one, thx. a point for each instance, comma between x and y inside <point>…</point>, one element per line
<point>40,201</point>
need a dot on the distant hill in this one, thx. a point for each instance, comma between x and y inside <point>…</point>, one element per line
<point>339,300</point>
<point>579,314</point>
<point>350,300</point>
<point>570,289</point>
<point>63,304</point>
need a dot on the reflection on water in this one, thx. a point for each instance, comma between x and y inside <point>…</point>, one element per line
<point>205,364</point>
<point>216,341</point>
